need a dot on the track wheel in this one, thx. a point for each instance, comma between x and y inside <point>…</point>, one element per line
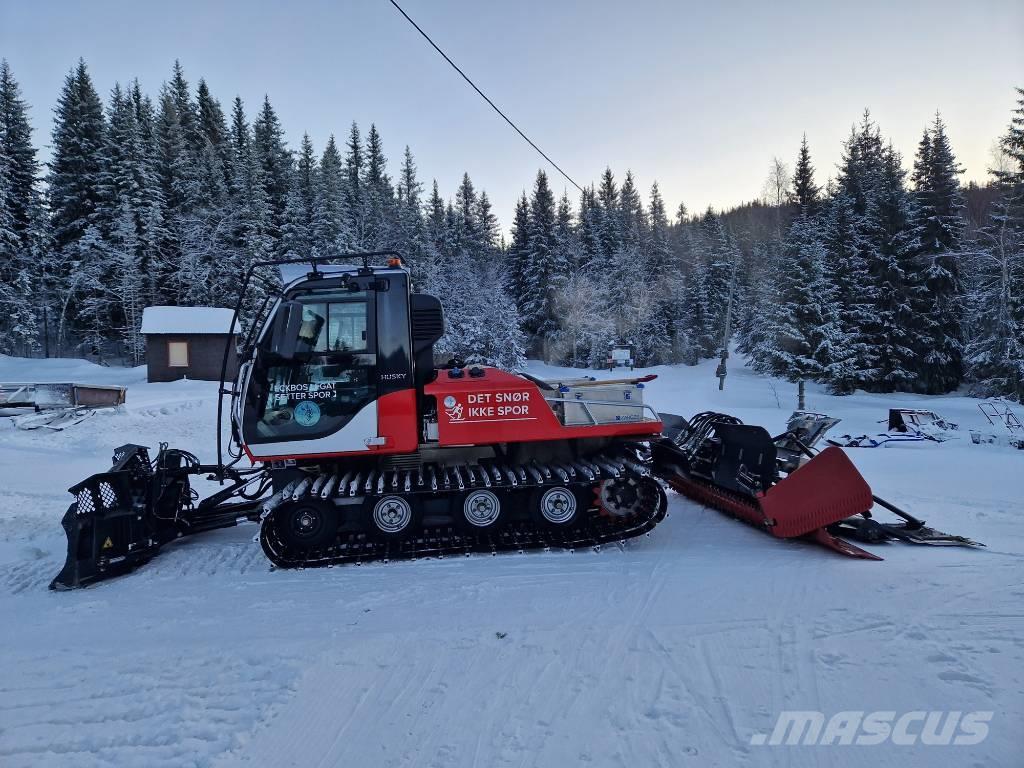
<point>482,509</point>
<point>558,506</point>
<point>393,516</point>
<point>306,525</point>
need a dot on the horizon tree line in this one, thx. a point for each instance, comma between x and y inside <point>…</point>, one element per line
<point>883,279</point>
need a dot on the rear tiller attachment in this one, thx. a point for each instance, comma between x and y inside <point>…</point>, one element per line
<point>781,484</point>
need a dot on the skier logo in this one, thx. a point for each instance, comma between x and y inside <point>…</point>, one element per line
<point>453,409</point>
<point>307,413</point>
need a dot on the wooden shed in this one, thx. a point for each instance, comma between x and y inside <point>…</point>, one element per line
<point>188,342</point>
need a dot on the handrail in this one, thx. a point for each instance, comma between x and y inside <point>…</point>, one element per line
<point>615,404</point>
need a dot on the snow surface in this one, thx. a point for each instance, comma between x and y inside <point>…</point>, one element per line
<point>157,320</point>
<point>673,652</point>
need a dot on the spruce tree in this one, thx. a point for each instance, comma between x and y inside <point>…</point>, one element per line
<point>411,237</point>
<point>467,229</point>
<point>18,322</point>
<point>275,162</point>
<point>938,226</point>
<point>22,236</point>
<point>22,166</point>
<point>804,324</point>
<point>299,214</point>
<point>487,225</point>
<point>185,109</point>
<point>995,355</point>
<point>212,126</point>
<point>899,281</point>
<point>379,196</point>
<point>666,277</point>
<point>542,272</point>
<point>611,221</point>
<point>806,193</point>
<point>842,235</point>
<point>131,215</point>
<point>518,251</point>
<point>329,236</point>
<point>589,229</point>
<point>74,190</point>
<point>354,197</point>
<point>855,247</point>
<point>73,184</point>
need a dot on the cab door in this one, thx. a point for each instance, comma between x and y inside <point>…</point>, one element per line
<point>313,386</point>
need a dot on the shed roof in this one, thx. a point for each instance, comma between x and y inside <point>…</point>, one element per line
<point>186,320</point>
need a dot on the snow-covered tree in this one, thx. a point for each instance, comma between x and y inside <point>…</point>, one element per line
<point>806,193</point>
<point>995,354</point>
<point>938,226</point>
<point>275,163</point>
<point>518,252</point>
<point>805,324</point>
<point>542,270</point>
<point>379,196</point>
<point>842,236</point>
<point>409,229</point>
<point>330,235</point>
<point>22,236</point>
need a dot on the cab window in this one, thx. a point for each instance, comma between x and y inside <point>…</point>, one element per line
<point>338,326</point>
<point>329,379</point>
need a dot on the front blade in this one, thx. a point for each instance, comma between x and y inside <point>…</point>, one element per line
<point>109,527</point>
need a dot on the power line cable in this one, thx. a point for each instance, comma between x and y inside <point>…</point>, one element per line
<point>484,96</point>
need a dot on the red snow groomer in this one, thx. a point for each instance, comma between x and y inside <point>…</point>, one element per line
<point>348,445</point>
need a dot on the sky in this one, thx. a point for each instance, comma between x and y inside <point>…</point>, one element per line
<point>696,96</point>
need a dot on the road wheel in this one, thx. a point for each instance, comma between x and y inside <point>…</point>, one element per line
<point>558,507</point>
<point>393,516</point>
<point>482,510</point>
<point>307,525</point>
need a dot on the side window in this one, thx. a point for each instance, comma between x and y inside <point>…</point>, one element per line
<point>338,326</point>
<point>177,354</point>
<point>346,326</point>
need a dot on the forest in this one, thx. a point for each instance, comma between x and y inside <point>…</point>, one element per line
<point>891,275</point>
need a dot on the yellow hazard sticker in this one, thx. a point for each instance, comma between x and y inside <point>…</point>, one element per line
<point>108,544</point>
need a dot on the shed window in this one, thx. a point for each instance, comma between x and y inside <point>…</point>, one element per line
<point>177,354</point>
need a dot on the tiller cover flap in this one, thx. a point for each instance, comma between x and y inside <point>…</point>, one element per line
<point>825,490</point>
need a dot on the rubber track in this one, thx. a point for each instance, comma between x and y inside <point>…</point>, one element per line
<point>447,541</point>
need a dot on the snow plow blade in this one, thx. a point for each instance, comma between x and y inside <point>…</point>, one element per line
<point>108,524</point>
<point>121,518</point>
<point>103,541</point>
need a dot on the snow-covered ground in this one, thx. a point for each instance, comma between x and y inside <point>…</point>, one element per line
<point>673,652</point>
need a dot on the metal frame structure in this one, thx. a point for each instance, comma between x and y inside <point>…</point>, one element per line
<point>276,293</point>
